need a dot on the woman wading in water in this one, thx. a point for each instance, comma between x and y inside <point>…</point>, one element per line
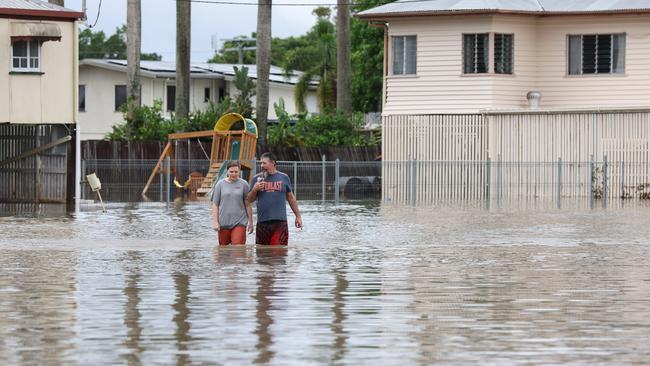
<point>232,212</point>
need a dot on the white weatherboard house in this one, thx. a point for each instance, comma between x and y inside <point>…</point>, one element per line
<point>102,90</point>
<point>38,103</point>
<point>514,81</point>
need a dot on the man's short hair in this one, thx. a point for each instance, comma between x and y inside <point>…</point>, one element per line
<point>270,156</point>
<point>233,163</point>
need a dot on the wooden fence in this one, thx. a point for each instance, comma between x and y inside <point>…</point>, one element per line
<point>36,164</point>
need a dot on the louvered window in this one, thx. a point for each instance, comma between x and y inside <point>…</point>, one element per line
<point>596,54</point>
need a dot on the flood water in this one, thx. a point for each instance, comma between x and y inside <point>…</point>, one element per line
<point>360,285</point>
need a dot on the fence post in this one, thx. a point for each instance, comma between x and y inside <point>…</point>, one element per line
<point>488,179</point>
<point>622,180</point>
<point>168,166</point>
<point>591,178</point>
<point>323,175</point>
<point>336,181</point>
<point>605,180</point>
<point>295,179</point>
<point>80,182</point>
<point>499,180</point>
<point>162,186</point>
<point>254,167</point>
<point>559,182</point>
<point>413,181</point>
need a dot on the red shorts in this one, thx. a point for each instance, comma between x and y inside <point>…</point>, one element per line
<point>236,235</point>
<point>273,232</point>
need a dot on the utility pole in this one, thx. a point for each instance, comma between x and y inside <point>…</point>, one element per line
<point>343,61</point>
<point>183,33</point>
<point>263,65</point>
<point>239,47</point>
<point>133,49</point>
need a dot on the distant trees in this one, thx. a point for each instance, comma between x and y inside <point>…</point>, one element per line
<point>97,45</point>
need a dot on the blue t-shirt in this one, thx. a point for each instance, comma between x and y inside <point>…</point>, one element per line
<point>272,200</point>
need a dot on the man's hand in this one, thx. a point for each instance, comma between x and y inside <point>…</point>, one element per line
<point>216,226</point>
<point>259,186</point>
<point>250,227</point>
<point>298,222</point>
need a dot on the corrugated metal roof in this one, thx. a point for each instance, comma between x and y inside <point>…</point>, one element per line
<point>32,5</point>
<point>524,6</point>
<point>168,69</point>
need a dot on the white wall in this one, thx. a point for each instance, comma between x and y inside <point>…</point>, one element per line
<point>46,98</point>
<point>539,64</point>
<point>100,114</point>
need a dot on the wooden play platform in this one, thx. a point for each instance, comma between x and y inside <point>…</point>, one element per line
<point>233,138</point>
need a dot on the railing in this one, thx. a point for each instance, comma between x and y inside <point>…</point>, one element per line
<point>423,182</point>
<point>123,180</point>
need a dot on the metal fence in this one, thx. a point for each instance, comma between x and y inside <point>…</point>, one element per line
<point>405,182</point>
<point>423,182</point>
<point>123,180</point>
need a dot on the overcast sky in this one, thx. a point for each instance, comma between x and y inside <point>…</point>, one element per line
<point>225,20</point>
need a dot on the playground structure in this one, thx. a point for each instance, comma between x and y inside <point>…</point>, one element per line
<point>234,137</point>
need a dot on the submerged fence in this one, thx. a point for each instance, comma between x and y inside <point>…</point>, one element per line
<point>421,182</point>
<point>123,180</point>
<point>408,182</point>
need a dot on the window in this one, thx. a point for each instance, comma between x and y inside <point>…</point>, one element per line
<point>82,98</point>
<point>120,96</point>
<point>475,53</point>
<point>222,94</point>
<point>171,98</point>
<point>404,55</point>
<point>206,95</point>
<point>596,54</point>
<point>25,56</point>
<point>503,53</point>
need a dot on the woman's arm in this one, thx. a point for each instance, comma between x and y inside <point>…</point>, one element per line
<point>215,217</point>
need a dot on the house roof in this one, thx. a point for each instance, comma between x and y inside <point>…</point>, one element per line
<point>37,9</point>
<point>541,7</point>
<point>166,69</point>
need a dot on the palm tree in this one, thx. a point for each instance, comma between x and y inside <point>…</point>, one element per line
<point>318,62</point>
<point>263,64</point>
<point>133,37</point>
<point>343,61</point>
<point>183,32</point>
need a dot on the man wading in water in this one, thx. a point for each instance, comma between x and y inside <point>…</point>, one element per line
<point>272,190</point>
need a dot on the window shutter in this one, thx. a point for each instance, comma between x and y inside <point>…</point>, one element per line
<point>482,53</point>
<point>589,54</point>
<point>503,53</point>
<point>604,54</point>
<point>469,44</point>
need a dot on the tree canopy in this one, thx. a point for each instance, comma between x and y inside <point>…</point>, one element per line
<point>97,45</point>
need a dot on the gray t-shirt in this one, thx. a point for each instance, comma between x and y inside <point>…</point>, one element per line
<point>231,200</point>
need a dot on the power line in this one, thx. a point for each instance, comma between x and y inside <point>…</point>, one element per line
<point>99,10</point>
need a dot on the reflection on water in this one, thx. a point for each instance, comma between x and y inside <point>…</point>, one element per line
<point>359,285</point>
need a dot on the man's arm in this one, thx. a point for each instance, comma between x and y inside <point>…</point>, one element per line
<point>293,203</point>
<point>252,195</point>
